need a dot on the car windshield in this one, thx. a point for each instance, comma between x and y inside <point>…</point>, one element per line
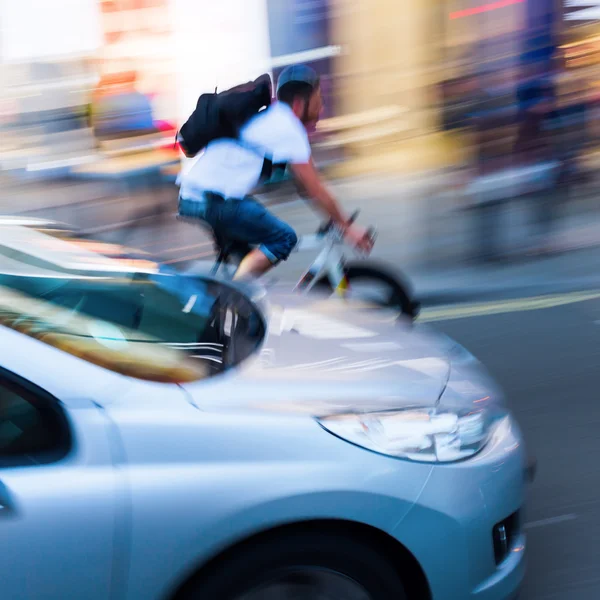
<point>154,326</point>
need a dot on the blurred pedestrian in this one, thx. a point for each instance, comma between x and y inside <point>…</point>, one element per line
<point>491,120</point>
<point>458,97</point>
<point>123,121</point>
<point>571,126</point>
<point>535,153</point>
<point>119,110</point>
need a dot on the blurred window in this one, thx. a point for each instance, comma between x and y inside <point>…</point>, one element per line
<point>33,429</point>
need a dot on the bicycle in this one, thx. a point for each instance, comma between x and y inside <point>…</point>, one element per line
<point>330,271</point>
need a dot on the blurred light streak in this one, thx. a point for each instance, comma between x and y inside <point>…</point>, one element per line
<point>306,56</point>
<point>587,14</point>
<point>476,10</point>
<point>589,40</point>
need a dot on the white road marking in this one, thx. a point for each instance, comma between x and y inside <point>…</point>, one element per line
<point>550,521</point>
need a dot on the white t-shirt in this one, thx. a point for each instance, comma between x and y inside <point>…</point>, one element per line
<point>232,169</point>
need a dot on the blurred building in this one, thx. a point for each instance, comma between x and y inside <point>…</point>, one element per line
<point>390,69</point>
<point>46,77</point>
<point>420,57</point>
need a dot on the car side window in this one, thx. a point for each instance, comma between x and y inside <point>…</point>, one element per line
<point>33,428</point>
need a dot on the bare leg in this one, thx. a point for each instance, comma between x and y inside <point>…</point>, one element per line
<point>254,264</point>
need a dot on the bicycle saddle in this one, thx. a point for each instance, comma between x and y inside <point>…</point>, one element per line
<point>227,248</point>
<point>224,248</point>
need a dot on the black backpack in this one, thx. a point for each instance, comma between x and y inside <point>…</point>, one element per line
<point>221,115</point>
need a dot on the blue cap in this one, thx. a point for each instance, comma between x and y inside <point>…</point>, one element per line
<point>299,74</point>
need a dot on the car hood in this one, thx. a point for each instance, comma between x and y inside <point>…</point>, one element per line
<point>322,356</point>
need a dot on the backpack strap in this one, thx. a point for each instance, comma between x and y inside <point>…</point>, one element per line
<point>268,165</point>
<point>267,169</point>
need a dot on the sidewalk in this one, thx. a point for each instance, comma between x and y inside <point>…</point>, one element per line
<point>558,273</point>
<point>82,204</point>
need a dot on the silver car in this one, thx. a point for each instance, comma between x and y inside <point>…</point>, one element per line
<point>170,437</point>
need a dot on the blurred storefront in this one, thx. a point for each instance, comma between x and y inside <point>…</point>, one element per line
<point>380,61</point>
<point>580,35</point>
<point>578,66</point>
<point>401,62</point>
<point>59,80</point>
<point>46,77</point>
<point>384,63</point>
<point>479,35</point>
<point>138,38</point>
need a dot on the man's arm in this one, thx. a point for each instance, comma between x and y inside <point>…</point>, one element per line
<point>309,179</point>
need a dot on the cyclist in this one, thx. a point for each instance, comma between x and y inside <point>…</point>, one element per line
<point>217,187</point>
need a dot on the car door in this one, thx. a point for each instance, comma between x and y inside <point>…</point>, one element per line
<point>57,496</point>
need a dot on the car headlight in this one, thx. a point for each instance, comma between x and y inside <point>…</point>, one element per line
<point>427,435</point>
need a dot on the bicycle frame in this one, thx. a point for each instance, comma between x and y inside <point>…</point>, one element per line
<point>329,262</point>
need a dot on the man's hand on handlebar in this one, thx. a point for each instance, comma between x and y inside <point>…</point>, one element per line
<point>309,179</point>
<point>359,237</point>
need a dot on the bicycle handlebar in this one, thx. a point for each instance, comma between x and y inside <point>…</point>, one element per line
<point>353,217</point>
<point>327,227</point>
<point>372,235</point>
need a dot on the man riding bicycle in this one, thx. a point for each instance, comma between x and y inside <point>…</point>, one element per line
<point>216,189</point>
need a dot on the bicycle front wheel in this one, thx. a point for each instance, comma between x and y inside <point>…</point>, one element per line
<point>377,285</point>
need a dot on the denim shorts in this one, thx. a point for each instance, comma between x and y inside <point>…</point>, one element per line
<point>244,220</point>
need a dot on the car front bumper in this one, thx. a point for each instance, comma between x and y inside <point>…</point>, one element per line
<point>466,529</point>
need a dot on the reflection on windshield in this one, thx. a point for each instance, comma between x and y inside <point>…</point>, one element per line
<point>117,349</point>
<point>157,327</point>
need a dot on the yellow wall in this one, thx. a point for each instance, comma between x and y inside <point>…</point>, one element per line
<point>391,54</point>
<point>395,52</point>
<point>390,47</point>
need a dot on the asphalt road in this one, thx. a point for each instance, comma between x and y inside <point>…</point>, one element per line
<point>547,360</point>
